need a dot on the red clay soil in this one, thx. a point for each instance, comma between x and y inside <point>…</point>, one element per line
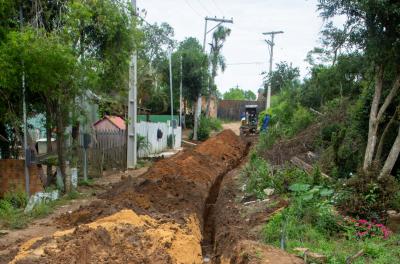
<point>285,149</point>
<point>156,218</point>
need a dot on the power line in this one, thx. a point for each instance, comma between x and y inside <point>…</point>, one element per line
<point>246,63</point>
<point>204,7</point>
<point>217,6</point>
<point>194,10</point>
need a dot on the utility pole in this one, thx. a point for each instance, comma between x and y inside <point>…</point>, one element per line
<point>271,44</point>
<point>180,98</point>
<point>26,150</point>
<point>132,108</point>
<point>198,109</point>
<point>172,99</point>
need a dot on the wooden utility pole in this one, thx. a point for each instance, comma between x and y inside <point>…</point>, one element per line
<point>271,44</point>
<point>132,108</point>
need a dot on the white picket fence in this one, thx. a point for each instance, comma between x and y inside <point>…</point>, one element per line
<point>155,144</point>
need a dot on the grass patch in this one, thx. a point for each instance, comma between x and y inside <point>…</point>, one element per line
<point>12,206</point>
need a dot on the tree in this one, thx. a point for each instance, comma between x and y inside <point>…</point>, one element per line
<point>217,60</point>
<point>283,76</point>
<point>239,94</point>
<point>194,66</point>
<point>64,48</point>
<point>373,27</point>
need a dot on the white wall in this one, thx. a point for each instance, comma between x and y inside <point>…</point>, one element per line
<point>149,130</point>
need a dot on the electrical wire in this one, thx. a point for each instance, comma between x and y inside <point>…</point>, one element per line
<point>204,7</point>
<point>194,10</point>
<point>218,8</point>
<point>246,63</point>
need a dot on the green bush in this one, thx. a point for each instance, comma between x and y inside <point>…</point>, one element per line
<point>169,141</point>
<point>207,124</point>
<point>215,124</point>
<point>259,175</point>
<point>11,217</point>
<point>301,119</point>
<point>366,196</point>
<point>17,198</point>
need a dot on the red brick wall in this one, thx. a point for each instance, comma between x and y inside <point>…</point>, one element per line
<point>12,176</point>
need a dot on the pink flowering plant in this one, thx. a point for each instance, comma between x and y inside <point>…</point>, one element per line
<point>361,228</point>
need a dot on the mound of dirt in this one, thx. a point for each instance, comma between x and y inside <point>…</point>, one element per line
<point>156,218</point>
<point>285,149</point>
<point>124,237</point>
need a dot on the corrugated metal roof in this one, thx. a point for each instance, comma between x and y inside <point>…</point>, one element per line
<point>115,120</point>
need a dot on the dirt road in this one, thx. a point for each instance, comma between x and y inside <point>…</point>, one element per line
<point>234,126</point>
<point>164,216</point>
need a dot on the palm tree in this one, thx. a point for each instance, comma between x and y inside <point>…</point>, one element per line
<point>217,60</point>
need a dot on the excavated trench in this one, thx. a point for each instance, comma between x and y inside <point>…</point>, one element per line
<point>164,216</point>
<point>209,217</point>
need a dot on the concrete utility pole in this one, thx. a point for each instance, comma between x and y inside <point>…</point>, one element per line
<point>26,150</point>
<point>172,99</point>
<point>198,109</point>
<point>271,44</point>
<point>180,97</point>
<point>132,108</point>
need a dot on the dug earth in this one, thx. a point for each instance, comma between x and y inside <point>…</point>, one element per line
<point>159,217</point>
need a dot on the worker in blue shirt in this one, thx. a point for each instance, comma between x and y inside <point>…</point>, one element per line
<point>264,126</point>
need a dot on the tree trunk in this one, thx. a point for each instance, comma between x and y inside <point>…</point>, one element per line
<point>373,121</point>
<point>379,150</point>
<point>392,158</point>
<point>61,147</point>
<point>48,143</point>
<point>208,105</point>
<point>197,115</point>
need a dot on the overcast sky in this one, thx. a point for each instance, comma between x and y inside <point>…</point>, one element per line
<point>297,18</point>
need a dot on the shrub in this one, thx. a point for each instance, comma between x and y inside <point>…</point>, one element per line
<point>215,124</point>
<point>169,141</point>
<point>366,196</point>
<point>12,217</point>
<point>257,174</point>
<point>17,198</point>
<point>301,119</point>
<point>206,125</point>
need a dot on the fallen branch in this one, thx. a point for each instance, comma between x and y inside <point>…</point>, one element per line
<point>189,143</point>
<point>357,255</point>
<point>316,112</point>
<point>305,166</point>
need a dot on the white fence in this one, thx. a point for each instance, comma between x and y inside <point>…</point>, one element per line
<point>156,135</point>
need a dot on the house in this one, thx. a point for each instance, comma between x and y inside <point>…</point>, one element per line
<point>110,123</point>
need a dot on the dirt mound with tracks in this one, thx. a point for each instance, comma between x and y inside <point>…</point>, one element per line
<point>156,218</point>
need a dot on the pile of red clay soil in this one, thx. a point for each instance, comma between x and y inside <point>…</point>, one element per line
<point>156,218</point>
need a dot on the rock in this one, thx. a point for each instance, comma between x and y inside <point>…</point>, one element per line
<point>311,257</point>
<point>316,258</point>
<point>3,232</point>
<point>269,191</point>
<point>393,222</point>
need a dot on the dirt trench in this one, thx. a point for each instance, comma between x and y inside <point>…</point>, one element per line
<point>155,218</point>
<point>183,210</point>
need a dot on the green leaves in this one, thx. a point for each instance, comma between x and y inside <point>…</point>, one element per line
<point>299,187</point>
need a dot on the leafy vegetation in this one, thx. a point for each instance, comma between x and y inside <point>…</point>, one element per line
<point>239,94</point>
<point>12,207</point>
